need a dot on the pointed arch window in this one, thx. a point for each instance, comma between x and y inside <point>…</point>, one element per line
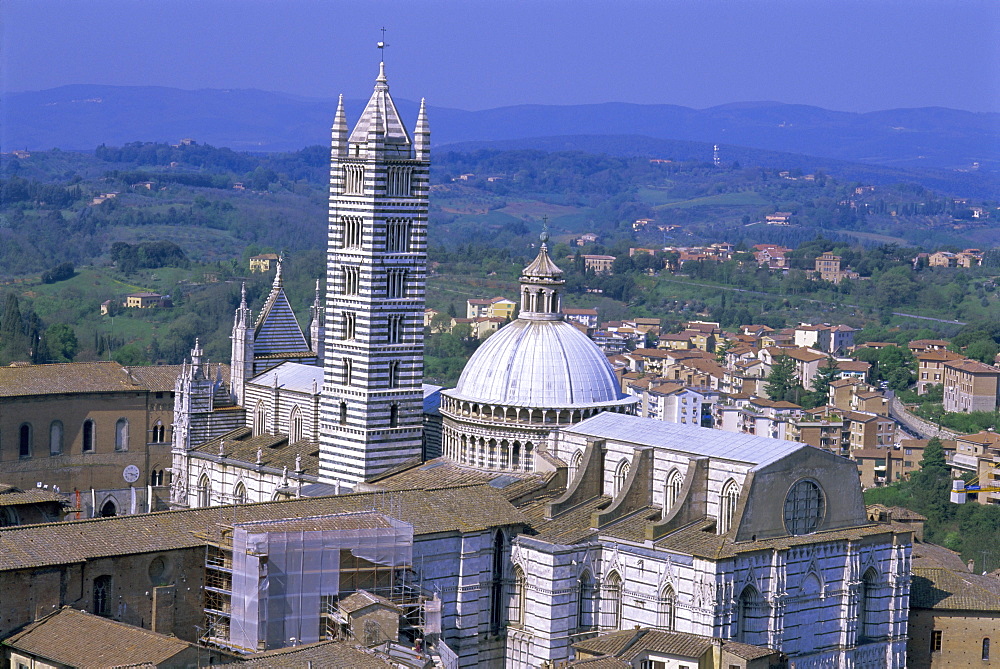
<point>621,475</point>
<point>867,606</point>
<point>240,493</point>
<point>109,509</point>
<point>577,464</point>
<point>259,419</point>
<point>667,609</point>
<point>56,438</point>
<point>611,602</point>
<point>121,434</point>
<point>204,491</point>
<point>673,491</point>
<point>751,618</point>
<point>294,425</point>
<point>516,598</point>
<point>497,614</point>
<point>587,603</point>
<point>727,506</point>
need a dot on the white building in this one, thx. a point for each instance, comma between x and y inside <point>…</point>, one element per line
<point>376,271</point>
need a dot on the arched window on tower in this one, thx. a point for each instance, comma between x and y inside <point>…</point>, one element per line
<point>343,413</point>
<point>727,506</point>
<point>986,649</point>
<point>393,415</point>
<point>159,432</point>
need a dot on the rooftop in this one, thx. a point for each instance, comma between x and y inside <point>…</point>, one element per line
<point>744,448</point>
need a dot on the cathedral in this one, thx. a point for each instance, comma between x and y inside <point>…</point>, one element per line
<point>621,521</point>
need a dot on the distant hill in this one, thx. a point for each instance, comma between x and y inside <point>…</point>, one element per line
<point>978,183</point>
<point>81,117</point>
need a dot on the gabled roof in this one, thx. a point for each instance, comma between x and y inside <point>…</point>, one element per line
<point>85,377</point>
<point>276,330</point>
<point>79,639</point>
<point>732,446</point>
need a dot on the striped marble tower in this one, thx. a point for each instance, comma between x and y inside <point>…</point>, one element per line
<point>372,403</point>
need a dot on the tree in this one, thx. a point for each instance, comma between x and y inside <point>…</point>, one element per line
<point>820,392</point>
<point>11,323</point>
<point>781,381</point>
<point>59,344</point>
<point>932,484</point>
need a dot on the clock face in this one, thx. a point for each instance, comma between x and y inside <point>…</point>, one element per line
<point>131,474</point>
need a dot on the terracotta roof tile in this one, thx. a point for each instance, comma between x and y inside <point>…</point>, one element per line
<point>79,639</point>
<point>461,508</point>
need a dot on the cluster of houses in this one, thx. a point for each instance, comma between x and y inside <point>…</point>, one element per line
<point>705,376</point>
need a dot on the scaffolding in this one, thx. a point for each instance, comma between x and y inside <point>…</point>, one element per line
<point>272,584</point>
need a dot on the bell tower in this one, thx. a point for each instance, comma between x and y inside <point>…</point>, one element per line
<point>372,400</point>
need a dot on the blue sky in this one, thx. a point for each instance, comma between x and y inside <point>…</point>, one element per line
<point>851,55</point>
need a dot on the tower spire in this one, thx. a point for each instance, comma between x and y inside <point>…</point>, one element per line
<point>339,130</point>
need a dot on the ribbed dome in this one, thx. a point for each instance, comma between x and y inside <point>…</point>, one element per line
<point>538,363</point>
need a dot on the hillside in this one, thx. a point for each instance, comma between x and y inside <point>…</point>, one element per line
<point>83,116</point>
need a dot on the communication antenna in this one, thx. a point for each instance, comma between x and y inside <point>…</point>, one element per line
<point>715,155</point>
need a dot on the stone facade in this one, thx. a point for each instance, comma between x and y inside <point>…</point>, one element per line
<point>376,267</point>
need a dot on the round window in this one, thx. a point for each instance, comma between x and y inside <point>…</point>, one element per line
<point>805,506</point>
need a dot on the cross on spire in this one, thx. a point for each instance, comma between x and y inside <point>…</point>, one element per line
<point>381,46</point>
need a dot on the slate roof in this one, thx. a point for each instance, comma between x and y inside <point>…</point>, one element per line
<point>685,438</point>
<point>80,639</point>
<point>325,654</point>
<point>276,452</point>
<point>443,472</point>
<point>276,330</point>
<point>293,376</point>
<point>461,508</point>
<point>380,106</point>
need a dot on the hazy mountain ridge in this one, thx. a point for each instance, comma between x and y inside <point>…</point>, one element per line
<point>80,117</point>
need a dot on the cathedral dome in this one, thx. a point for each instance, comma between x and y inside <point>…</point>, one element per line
<point>539,363</point>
